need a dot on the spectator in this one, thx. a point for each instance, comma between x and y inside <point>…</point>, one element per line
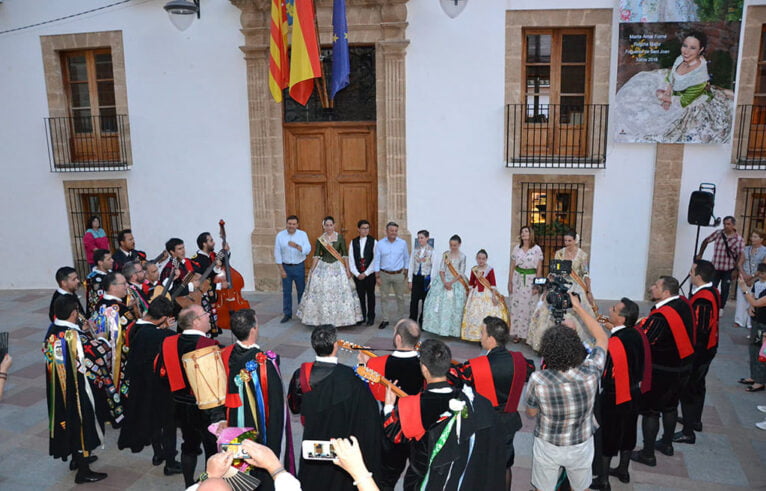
<point>561,397</point>
<point>756,297</point>
<point>94,238</point>
<point>5,365</point>
<point>729,245</point>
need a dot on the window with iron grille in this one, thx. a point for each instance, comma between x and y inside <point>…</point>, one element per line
<point>552,209</point>
<point>751,119</point>
<point>754,213</point>
<point>84,203</point>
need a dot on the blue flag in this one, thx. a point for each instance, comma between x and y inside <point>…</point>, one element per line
<point>290,8</point>
<point>341,66</point>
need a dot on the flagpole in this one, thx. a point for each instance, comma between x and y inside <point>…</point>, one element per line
<point>321,81</point>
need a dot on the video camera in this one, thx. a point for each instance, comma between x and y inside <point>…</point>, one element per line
<point>558,288</point>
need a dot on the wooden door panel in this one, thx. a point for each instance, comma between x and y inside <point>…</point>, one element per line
<point>311,207</point>
<point>354,149</point>
<point>307,153</point>
<point>357,202</point>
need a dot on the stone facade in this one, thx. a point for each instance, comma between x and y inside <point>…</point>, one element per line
<point>379,22</point>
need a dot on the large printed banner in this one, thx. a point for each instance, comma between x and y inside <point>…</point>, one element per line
<point>676,65</point>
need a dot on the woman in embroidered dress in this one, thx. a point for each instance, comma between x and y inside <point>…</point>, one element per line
<point>541,318</point>
<point>330,297</point>
<point>443,308</point>
<point>676,105</point>
<point>753,255</point>
<point>483,299</point>
<point>94,238</point>
<point>526,264</point>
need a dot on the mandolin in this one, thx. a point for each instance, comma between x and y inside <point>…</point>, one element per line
<point>375,378</point>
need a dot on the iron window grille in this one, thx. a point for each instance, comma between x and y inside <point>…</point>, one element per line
<point>87,143</point>
<point>754,213</point>
<point>751,137</point>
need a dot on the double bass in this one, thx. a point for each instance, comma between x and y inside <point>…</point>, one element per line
<point>229,299</point>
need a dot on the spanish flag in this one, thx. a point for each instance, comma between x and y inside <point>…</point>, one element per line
<point>278,67</point>
<point>304,61</point>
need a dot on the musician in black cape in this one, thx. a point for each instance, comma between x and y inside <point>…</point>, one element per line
<point>403,366</point>
<point>245,357</point>
<point>669,328</point>
<point>469,450</point>
<point>68,282</point>
<point>333,403</point>
<point>149,405</point>
<point>75,366</point>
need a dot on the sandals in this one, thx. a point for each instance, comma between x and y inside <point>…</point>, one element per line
<point>755,389</point>
<point>746,381</point>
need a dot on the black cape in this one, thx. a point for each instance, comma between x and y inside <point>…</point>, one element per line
<point>338,405</point>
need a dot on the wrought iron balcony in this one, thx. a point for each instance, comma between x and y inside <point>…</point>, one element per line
<point>556,135</point>
<point>88,143</point>
<point>750,138</point>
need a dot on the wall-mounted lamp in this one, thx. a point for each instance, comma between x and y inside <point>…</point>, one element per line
<point>182,12</point>
<point>453,7</point>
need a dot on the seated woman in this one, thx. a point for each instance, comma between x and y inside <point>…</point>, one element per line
<point>330,297</point>
<point>483,299</point>
<point>541,318</point>
<point>443,308</point>
<point>675,105</point>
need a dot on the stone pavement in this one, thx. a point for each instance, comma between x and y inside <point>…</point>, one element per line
<point>729,454</point>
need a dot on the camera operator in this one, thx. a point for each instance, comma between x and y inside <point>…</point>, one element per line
<point>562,398</point>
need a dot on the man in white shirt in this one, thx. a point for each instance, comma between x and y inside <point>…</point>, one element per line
<point>361,263</point>
<point>391,261</point>
<point>290,250</point>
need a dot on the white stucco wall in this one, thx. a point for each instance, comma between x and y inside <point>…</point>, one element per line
<point>189,127</point>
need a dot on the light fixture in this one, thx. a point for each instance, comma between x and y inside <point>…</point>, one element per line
<point>453,7</point>
<point>181,12</point>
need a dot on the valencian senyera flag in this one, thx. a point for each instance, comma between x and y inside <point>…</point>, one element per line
<point>279,70</point>
<point>340,61</point>
<point>304,60</point>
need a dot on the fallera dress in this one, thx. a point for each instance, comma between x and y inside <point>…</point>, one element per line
<point>522,300</point>
<point>330,297</point>
<point>443,309</point>
<point>480,305</point>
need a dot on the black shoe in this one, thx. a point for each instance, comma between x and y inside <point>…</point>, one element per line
<point>664,448</point>
<point>286,319</point>
<point>371,320</point>
<point>172,467</point>
<point>681,437</point>
<point>89,476</point>
<point>600,484</point>
<point>87,460</point>
<point>360,323</point>
<point>383,325</point>
<point>157,460</point>
<point>696,426</point>
<point>623,477</point>
<point>638,456</point>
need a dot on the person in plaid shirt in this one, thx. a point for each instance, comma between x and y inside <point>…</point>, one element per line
<point>562,398</point>
<point>729,245</point>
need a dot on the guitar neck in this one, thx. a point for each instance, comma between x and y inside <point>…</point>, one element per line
<point>396,390</point>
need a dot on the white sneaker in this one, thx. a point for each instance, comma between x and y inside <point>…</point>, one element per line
<point>761,408</point>
<point>761,425</point>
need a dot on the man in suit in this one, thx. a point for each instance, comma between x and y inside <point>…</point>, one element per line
<point>68,284</point>
<point>361,265</point>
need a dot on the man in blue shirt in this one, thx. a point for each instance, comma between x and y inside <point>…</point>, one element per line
<point>290,250</point>
<point>392,259</point>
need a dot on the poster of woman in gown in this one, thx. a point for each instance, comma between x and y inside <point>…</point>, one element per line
<point>676,68</point>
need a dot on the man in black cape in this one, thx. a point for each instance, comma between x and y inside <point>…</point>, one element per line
<point>462,451</point>
<point>246,360</point>
<point>149,405</point>
<point>76,420</point>
<point>333,403</point>
<point>68,283</point>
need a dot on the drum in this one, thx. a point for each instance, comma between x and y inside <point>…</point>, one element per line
<point>207,376</point>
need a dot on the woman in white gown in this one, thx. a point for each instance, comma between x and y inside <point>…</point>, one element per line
<point>330,297</point>
<point>675,105</point>
<point>443,308</point>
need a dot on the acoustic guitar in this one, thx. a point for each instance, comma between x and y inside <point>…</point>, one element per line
<point>374,377</point>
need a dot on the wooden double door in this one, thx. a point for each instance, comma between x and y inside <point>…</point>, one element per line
<point>331,169</point>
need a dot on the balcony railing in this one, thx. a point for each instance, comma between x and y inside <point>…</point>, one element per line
<point>556,135</point>
<point>88,143</point>
<point>750,138</point>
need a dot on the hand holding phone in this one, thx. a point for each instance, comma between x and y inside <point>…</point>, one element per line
<point>318,450</point>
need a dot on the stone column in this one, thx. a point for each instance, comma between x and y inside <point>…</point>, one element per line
<point>668,168</point>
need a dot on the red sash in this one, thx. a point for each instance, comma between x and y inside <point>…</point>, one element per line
<point>305,376</point>
<point>680,336</point>
<point>646,381</point>
<point>484,382</point>
<point>173,363</point>
<point>620,369</point>
<point>379,365</point>
<point>410,418</point>
<point>707,294</point>
<point>232,398</point>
